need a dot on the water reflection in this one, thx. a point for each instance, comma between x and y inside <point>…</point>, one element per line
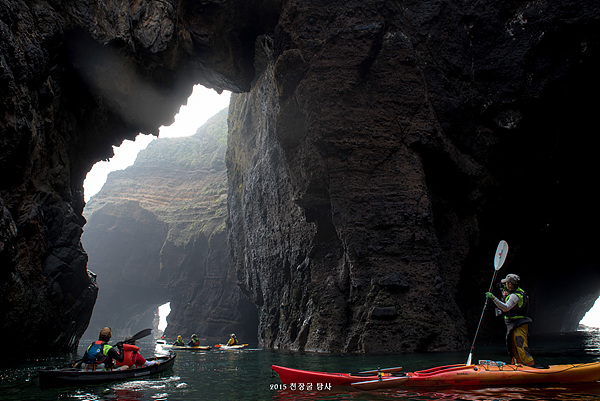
<point>83,396</point>
<point>336,394</point>
<point>566,393</point>
<point>591,340</point>
<point>246,375</point>
<point>559,393</point>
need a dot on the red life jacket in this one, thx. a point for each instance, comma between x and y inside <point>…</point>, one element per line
<point>129,352</point>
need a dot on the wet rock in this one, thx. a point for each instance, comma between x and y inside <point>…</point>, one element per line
<point>368,138</point>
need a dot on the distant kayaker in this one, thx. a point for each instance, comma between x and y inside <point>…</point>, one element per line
<point>179,342</point>
<point>232,340</point>
<point>194,342</point>
<point>100,352</point>
<point>514,310</point>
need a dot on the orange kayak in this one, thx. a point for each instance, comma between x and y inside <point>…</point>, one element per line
<point>490,375</point>
<point>453,375</point>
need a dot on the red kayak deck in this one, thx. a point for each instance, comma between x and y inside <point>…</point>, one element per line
<point>451,375</point>
<point>365,381</point>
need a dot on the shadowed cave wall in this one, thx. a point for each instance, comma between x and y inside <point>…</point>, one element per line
<point>443,128</point>
<point>377,153</point>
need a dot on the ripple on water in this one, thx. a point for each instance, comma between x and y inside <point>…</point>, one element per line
<point>247,375</point>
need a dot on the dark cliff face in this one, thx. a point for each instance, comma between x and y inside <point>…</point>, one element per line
<point>77,77</point>
<point>400,143</point>
<point>379,153</point>
<point>156,233</point>
<point>123,242</point>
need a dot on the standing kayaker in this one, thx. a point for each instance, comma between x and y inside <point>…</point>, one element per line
<point>179,342</point>
<point>232,340</point>
<point>99,352</point>
<point>195,341</point>
<point>514,310</point>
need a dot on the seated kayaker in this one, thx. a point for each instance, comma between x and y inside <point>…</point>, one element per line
<point>514,309</point>
<point>179,342</point>
<point>195,341</point>
<point>99,352</point>
<point>232,340</point>
<point>132,356</point>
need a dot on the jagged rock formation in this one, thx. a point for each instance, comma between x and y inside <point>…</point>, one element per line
<point>381,151</point>
<point>156,233</point>
<point>77,77</point>
<point>123,242</point>
<point>386,148</point>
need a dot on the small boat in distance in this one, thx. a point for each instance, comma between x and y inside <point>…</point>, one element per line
<point>187,347</point>
<point>225,346</point>
<point>163,344</point>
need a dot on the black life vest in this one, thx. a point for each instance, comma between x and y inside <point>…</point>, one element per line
<point>519,311</point>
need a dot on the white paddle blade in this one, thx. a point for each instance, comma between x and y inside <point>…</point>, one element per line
<point>469,359</point>
<point>501,252</point>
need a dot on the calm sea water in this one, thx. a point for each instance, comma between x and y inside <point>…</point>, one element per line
<point>246,375</point>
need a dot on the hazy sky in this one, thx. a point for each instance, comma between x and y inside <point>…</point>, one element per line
<point>202,104</point>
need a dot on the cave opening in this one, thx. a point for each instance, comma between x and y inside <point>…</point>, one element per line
<point>592,317</point>
<point>202,104</point>
<point>134,232</point>
<point>163,312</point>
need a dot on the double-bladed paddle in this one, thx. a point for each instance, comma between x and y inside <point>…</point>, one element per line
<point>137,336</point>
<point>384,370</point>
<point>499,258</point>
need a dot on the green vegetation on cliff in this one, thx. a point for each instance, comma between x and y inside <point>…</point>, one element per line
<point>204,150</point>
<point>183,181</point>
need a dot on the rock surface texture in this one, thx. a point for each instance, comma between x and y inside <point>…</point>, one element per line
<point>378,152</point>
<point>386,148</point>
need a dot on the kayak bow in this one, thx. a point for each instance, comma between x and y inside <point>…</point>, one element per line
<point>363,381</point>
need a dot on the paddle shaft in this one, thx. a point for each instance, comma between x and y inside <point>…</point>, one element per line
<point>384,370</point>
<point>499,258</point>
<point>480,319</point>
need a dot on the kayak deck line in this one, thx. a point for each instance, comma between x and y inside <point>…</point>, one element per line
<point>438,369</point>
<point>384,370</point>
<point>544,370</point>
<point>502,368</point>
<point>381,383</point>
